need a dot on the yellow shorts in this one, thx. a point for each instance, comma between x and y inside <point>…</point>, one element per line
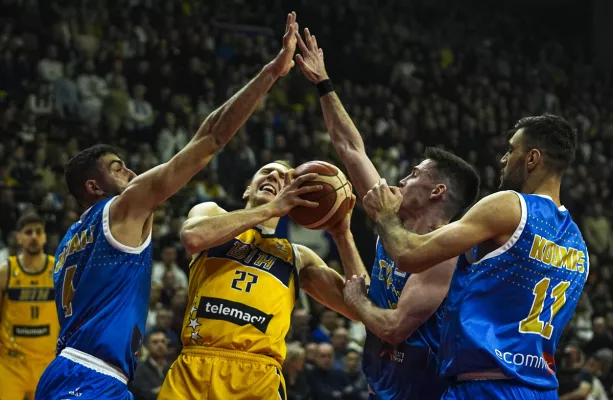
<point>18,378</point>
<point>218,374</point>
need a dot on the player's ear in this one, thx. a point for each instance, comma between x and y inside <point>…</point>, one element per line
<point>93,189</point>
<point>532,159</point>
<point>246,194</point>
<point>439,191</point>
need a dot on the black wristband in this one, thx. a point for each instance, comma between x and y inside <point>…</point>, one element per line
<point>324,87</point>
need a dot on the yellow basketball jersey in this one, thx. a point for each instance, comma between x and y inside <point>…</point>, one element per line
<point>243,293</point>
<point>29,326</point>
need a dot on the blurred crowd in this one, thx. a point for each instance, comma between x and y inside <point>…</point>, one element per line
<point>143,74</point>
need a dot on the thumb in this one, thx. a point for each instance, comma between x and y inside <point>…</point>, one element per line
<point>300,60</point>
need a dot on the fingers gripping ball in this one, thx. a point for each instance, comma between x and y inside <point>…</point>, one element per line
<point>334,199</point>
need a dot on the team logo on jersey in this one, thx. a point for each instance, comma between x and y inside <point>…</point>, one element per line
<point>234,312</point>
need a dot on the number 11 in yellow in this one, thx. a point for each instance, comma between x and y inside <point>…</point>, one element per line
<point>532,323</point>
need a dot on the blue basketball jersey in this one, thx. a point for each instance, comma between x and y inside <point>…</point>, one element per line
<point>102,291</point>
<point>389,368</point>
<point>507,309</point>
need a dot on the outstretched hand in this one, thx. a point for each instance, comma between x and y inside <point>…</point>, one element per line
<point>311,61</point>
<point>284,62</point>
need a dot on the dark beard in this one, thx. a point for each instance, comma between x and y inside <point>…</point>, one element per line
<point>513,181</point>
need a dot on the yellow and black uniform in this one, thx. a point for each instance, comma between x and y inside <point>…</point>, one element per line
<point>242,294</point>
<point>29,329</point>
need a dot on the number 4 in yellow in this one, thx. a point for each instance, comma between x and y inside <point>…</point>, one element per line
<point>532,323</point>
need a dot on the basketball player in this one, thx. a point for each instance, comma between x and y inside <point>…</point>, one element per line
<point>243,285</point>
<point>521,270</point>
<point>28,319</point>
<point>401,312</point>
<point>103,269</point>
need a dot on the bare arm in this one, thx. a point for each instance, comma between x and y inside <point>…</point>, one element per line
<point>208,225</point>
<point>345,136</point>
<point>350,256</point>
<point>422,294</point>
<point>322,282</point>
<point>495,217</point>
<point>134,206</point>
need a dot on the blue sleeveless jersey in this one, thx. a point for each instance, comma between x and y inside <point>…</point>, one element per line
<point>389,368</point>
<point>507,310</point>
<point>102,291</point>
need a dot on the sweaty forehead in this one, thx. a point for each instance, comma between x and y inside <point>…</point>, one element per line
<point>426,165</point>
<point>274,166</point>
<point>514,139</point>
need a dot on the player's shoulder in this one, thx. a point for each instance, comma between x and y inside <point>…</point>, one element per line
<point>4,274</point>
<point>206,209</point>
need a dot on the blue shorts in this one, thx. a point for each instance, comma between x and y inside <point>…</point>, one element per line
<point>67,379</point>
<point>415,378</point>
<point>496,390</point>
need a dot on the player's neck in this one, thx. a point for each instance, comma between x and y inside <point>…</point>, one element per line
<point>32,263</point>
<point>270,224</point>
<point>424,223</point>
<point>547,186</point>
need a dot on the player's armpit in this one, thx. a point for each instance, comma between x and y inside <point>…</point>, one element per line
<point>349,145</point>
<point>495,218</point>
<point>322,282</point>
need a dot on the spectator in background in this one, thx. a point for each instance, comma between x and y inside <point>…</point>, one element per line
<point>66,94</point>
<point>300,330</point>
<point>141,115</point>
<point>92,91</point>
<point>169,265</point>
<point>602,339</point>
<point>329,322</point>
<point>326,382</point>
<point>151,371</point>
<point>154,305</point>
<point>296,383</point>
<point>41,103</point>
<point>171,139</point>
<point>49,68</point>
<point>163,323</point>
<point>358,387</point>
<point>339,340</point>
<point>597,231</point>
<point>575,380</point>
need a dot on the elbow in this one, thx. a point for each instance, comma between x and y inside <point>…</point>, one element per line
<point>192,242</point>
<point>407,262</point>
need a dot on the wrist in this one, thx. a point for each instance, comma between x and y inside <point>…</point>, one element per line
<point>341,235</point>
<point>270,70</point>
<point>325,87</point>
<point>385,216</point>
<point>270,211</point>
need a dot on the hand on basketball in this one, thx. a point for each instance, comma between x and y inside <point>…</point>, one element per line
<point>344,224</point>
<point>284,62</point>
<point>382,199</point>
<point>355,290</point>
<point>289,196</point>
<point>311,61</point>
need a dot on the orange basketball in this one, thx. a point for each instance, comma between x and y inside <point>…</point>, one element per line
<point>334,199</point>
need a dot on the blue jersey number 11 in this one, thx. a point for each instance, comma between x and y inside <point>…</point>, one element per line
<point>532,323</point>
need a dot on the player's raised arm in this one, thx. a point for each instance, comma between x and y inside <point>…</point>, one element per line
<point>153,187</point>
<point>343,238</point>
<point>322,282</point>
<point>421,296</point>
<point>495,218</point>
<point>345,136</point>
<point>208,225</point>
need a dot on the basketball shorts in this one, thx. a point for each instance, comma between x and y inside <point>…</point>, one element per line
<point>496,390</point>
<point>219,374</point>
<point>77,375</point>
<point>18,377</point>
